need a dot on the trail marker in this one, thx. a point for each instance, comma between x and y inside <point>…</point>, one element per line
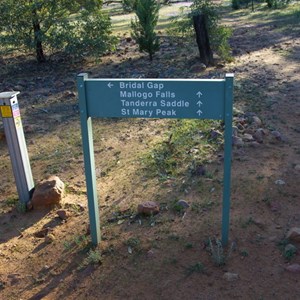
<point>13,129</point>
<point>153,98</point>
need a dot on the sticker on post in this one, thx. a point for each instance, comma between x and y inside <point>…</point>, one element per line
<point>6,111</point>
<point>15,110</point>
<point>18,122</point>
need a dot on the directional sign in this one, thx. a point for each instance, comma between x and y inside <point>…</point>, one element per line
<point>151,98</point>
<point>139,98</point>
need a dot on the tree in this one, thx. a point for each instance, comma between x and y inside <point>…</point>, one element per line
<point>144,25</point>
<point>218,35</point>
<point>183,26</point>
<point>76,27</point>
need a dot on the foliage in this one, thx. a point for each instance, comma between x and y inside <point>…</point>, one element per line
<point>237,4</point>
<point>144,25</point>
<point>196,268</point>
<point>219,35</point>
<point>181,25</point>
<point>185,148</point>
<point>76,27</point>
<point>129,5</point>
<point>277,3</point>
<point>219,256</point>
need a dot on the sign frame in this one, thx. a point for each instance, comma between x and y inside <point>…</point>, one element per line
<point>94,101</point>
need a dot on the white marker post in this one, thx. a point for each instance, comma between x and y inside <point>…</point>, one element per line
<point>13,129</point>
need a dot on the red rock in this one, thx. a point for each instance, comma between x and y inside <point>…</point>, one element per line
<point>63,214</point>
<point>48,193</point>
<point>29,205</point>
<point>148,208</point>
<point>42,233</point>
<point>294,268</point>
<point>294,234</point>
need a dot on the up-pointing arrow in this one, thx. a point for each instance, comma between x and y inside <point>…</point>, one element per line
<point>199,103</point>
<point>199,112</point>
<point>110,85</point>
<point>199,94</point>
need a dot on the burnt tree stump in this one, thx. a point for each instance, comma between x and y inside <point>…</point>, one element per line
<point>202,38</point>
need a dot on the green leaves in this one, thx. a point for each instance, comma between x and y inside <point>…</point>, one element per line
<point>75,27</point>
<point>144,25</point>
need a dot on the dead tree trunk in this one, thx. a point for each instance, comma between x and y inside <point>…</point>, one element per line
<point>206,55</point>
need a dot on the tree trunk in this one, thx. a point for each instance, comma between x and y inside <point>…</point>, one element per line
<point>37,41</point>
<point>206,55</point>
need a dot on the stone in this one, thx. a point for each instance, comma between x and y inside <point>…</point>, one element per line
<point>148,208</point>
<point>256,121</point>
<point>237,141</point>
<point>275,206</point>
<point>150,253</point>
<point>297,167</point>
<point>294,234</point>
<point>230,276</point>
<point>42,233</point>
<point>29,205</point>
<point>214,134</point>
<point>198,170</point>
<point>254,144</point>
<point>63,214</point>
<point>259,223</point>
<point>235,131</point>
<point>49,238</point>
<point>279,182</point>
<point>294,268</point>
<point>197,68</point>
<point>182,203</point>
<point>48,193</point>
<point>277,135</point>
<point>69,94</point>
<point>259,135</point>
<point>248,137</point>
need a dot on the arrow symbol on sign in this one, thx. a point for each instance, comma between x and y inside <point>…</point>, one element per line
<point>110,85</point>
<point>199,112</point>
<point>199,94</point>
<point>199,103</point>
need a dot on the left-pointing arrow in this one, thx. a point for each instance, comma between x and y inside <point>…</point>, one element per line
<point>110,85</point>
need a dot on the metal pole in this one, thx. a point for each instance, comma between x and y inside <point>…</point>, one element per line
<point>227,157</point>
<point>13,129</point>
<point>89,160</point>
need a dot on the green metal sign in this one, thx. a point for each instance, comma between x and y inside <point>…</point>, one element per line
<point>153,98</point>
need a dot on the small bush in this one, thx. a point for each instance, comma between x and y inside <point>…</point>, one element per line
<point>144,25</point>
<point>277,3</point>
<point>182,26</point>
<point>129,5</point>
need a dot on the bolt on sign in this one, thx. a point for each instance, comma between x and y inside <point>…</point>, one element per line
<point>151,98</point>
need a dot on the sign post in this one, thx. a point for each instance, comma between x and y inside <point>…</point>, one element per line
<point>13,129</point>
<point>153,98</point>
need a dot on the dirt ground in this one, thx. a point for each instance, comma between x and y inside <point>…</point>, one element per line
<point>168,255</point>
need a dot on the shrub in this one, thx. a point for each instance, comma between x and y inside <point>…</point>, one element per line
<point>218,35</point>
<point>50,26</point>
<point>129,5</point>
<point>277,3</point>
<point>144,25</point>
